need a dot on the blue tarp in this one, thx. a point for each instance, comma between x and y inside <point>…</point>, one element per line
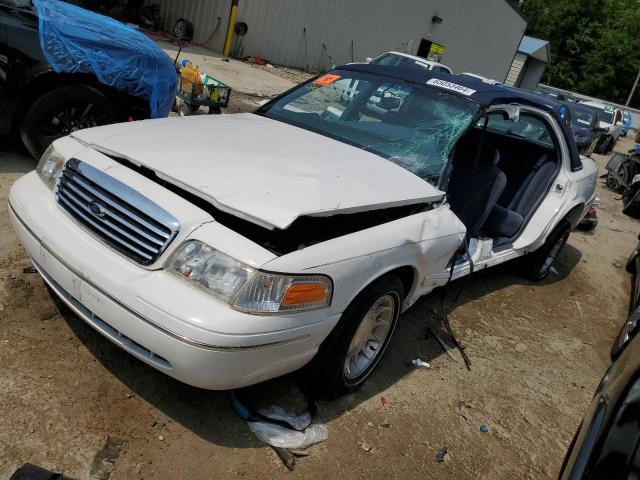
<point>75,40</point>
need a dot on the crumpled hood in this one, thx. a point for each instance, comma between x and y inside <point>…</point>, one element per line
<point>259,169</point>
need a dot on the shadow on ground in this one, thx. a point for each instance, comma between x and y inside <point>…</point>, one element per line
<point>210,414</point>
<point>14,158</point>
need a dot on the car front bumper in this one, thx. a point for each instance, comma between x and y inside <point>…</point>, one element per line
<point>159,319</point>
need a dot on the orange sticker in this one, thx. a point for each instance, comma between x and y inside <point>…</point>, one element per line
<point>326,79</point>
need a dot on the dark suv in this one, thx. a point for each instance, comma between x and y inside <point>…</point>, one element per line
<point>40,104</point>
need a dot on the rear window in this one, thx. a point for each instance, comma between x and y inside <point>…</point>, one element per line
<point>528,127</point>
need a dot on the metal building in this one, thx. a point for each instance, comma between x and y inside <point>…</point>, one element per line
<point>479,36</point>
<point>529,64</point>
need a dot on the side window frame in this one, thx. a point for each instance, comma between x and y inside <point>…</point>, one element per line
<point>559,140</point>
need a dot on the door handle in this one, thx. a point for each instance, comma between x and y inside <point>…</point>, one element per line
<point>559,187</point>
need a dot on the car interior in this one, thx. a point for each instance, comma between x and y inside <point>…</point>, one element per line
<point>516,166</point>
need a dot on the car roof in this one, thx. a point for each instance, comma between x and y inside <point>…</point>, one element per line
<point>483,92</point>
<point>477,90</point>
<point>480,77</point>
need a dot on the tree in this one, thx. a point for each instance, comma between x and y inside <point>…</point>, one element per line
<point>595,44</point>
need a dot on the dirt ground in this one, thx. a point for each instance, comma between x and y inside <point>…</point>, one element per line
<point>537,353</point>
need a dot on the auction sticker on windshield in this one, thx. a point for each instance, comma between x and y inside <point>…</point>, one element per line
<point>451,86</point>
<point>326,79</point>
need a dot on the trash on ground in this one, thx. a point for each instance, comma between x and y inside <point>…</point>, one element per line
<point>617,264</point>
<point>103,462</point>
<point>365,446</point>
<point>31,269</point>
<point>383,400</point>
<point>278,436</point>
<point>441,456</point>
<point>484,428</point>
<point>279,428</point>
<point>286,456</point>
<point>299,452</point>
<point>462,406</point>
<point>299,422</point>
<point>418,363</point>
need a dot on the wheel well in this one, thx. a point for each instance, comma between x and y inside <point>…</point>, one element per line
<point>51,80</point>
<point>407,276</point>
<point>575,215</point>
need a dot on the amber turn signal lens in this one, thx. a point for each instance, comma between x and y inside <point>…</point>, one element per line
<point>302,293</point>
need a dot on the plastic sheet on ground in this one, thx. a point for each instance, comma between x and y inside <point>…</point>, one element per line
<point>75,40</point>
<point>282,437</point>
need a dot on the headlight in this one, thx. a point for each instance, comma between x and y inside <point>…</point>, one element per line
<point>245,288</point>
<point>210,269</point>
<point>50,166</point>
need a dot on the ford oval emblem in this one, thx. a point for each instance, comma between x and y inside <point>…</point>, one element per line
<point>96,209</point>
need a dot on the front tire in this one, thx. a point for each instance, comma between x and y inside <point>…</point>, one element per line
<point>538,264</point>
<point>355,346</point>
<point>61,111</point>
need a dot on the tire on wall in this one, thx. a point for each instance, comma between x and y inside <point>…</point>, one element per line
<point>537,264</point>
<point>60,111</point>
<point>355,346</point>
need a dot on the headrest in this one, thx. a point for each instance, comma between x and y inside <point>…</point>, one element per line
<point>489,155</point>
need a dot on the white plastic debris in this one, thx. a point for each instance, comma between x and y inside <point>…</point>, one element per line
<point>278,436</point>
<point>418,363</point>
<point>299,422</point>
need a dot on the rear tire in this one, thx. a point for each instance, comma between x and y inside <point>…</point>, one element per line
<point>61,111</point>
<point>338,369</point>
<point>537,265</point>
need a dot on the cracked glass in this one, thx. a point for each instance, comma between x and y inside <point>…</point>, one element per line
<point>413,125</point>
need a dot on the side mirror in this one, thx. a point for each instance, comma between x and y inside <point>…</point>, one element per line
<point>368,59</point>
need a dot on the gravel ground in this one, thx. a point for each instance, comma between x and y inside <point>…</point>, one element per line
<point>537,353</point>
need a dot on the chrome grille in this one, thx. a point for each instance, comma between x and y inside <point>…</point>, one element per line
<point>116,213</point>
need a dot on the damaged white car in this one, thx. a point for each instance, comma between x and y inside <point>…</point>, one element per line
<point>227,250</point>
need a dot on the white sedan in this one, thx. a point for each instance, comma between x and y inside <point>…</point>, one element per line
<point>227,250</point>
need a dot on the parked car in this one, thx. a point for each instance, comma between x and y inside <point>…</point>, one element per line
<point>608,438</point>
<point>610,120</point>
<point>622,168</point>
<point>555,94</point>
<point>587,132</point>
<point>398,59</point>
<point>308,228</point>
<point>41,105</point>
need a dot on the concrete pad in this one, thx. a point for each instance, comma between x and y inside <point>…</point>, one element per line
<point>240,76</point>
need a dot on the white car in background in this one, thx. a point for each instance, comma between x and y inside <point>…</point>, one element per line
<point>398,59</point>
<point>304,231</point>
<point>610,119</point>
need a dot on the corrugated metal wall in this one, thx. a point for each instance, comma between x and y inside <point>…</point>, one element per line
<point>202,13</point>
<point>479,36</point>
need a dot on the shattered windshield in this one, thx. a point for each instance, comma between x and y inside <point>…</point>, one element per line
<point>412,125</point>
